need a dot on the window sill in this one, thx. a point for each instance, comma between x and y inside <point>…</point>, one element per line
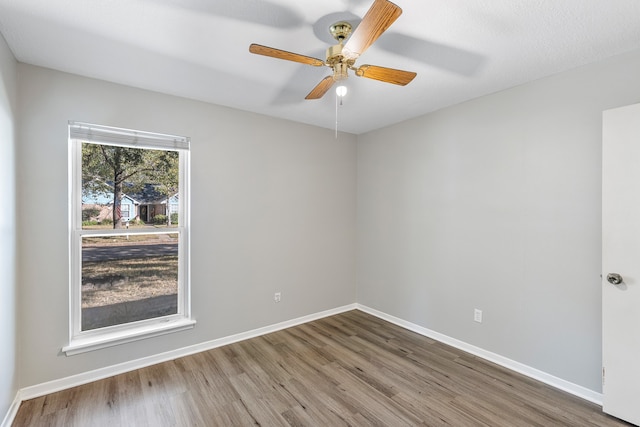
<point>86,344</point>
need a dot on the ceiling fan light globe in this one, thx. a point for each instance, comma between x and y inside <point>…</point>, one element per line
<point>341,91</point>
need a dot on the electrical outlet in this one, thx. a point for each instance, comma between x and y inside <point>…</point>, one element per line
<point>277,297</point>
<point>477,315</point>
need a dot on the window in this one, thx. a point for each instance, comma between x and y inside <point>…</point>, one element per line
<point>124,212</point>
<point>129,277</point>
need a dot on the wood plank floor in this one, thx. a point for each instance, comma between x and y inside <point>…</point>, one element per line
<point>351,369</point>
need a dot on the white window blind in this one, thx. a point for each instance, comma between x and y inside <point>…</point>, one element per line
<point>125,137</point>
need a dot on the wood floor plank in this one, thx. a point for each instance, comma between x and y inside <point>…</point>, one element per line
<point>351,369</point>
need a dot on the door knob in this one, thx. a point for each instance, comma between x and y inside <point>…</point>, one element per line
<point>614,278</point>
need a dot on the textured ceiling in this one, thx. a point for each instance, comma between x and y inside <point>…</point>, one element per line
<point>199,49</point>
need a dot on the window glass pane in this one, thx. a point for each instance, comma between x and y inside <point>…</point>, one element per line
<point>128,278</point>
<point>124,187</point>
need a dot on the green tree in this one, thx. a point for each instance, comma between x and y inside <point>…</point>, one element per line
<point>166,176</point>
<point>108,169</point>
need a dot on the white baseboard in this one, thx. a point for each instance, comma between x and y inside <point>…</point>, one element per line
<point>109,371</point>
<point>38,390</point>
<point>11,413</point>
<point>536,374</point>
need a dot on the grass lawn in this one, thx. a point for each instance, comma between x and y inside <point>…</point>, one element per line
<point>116,281</point>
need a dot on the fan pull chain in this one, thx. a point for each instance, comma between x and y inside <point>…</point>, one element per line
<point>341,91</point>
<point>337,114</point>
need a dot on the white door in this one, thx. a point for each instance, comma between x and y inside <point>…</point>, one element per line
<point>621,256</point>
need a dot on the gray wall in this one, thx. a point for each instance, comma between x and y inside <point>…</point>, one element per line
<point>496,204</point>
<point>273,209</point>
<point>8,283</point>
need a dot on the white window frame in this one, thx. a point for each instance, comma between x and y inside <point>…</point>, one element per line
<point>83,341</point>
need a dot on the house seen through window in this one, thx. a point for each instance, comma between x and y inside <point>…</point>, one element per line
<point>129,233</point>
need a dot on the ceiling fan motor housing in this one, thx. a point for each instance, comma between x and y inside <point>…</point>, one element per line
<point>334,53</point>
<point>340,71</point>
<point>338,63</point>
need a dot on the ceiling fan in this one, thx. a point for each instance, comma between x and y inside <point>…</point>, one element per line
<point>342,57</point>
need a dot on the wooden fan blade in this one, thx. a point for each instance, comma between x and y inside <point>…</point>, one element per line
<point>388,75</point>
<point>322,88</point>
<point>283,54</point>
<point>380,16</point>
